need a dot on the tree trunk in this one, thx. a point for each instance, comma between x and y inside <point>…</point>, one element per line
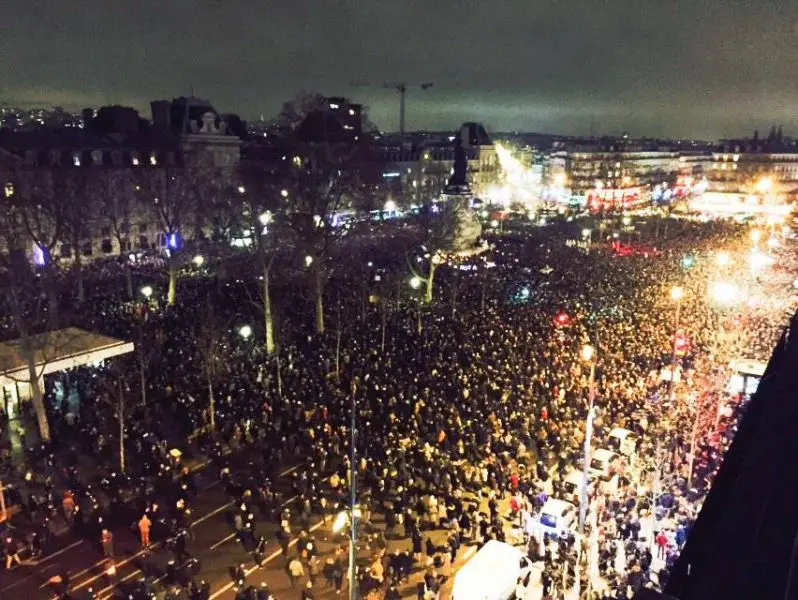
<point>121,416</point>
<point>171,297</point>
<point>128,279</point>
<point>430,282</point>
<point>454,297</point>
<point>384,320</point>
<point>143,378</point>
<point>211,402</point>
<point>268,321</point>
<point>77,267</point>
<point>38,401</point>
<point>318,288</point>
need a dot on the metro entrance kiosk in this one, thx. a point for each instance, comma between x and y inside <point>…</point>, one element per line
<point>53,351</point>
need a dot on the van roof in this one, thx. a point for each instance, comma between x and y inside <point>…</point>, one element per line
<point>620,432</point>
<point>604,454</point>
<point>553,506</point>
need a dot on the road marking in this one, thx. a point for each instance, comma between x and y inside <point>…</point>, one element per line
<point>137,554</point>
<point>269,558</point>
<point>232,535</point>
<point>212,513</point>
<point>61,551</point>
<point>198,521</point>
<point>291,470</point>
<point>223,541</point>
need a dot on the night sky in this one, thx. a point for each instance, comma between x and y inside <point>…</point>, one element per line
<point>689,68</point>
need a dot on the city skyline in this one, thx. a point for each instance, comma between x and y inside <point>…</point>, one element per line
<point>704,70</point>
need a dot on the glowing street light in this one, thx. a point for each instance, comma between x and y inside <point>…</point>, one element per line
<point>760,260</point>
<point>146,291</point>
<point>586,233</point>
<point>308,260</point>
<point>764,185</point>
<point>723,259</point>
<point>587,352</point>
<point>245,331</point>
<point>415,282</point>
<point>724,293</point>
<point>241,189</point>
<point>265,218</point>
<point>198,260</point>
<point>390,206</point>
<point>677,293</point>
<point>284,193</point>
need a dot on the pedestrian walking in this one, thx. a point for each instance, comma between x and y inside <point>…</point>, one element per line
<point>295,570</point>
<point>107,542</point>
<point>12,549</point>
<point>144,530</point>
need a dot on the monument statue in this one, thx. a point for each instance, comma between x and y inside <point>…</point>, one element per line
<point>461,230</point>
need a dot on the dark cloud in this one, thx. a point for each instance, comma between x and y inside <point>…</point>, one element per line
<point>701,68</point>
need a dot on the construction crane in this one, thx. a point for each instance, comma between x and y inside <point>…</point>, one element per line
<point>402,88</point>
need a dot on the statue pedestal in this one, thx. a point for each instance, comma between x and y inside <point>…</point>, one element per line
<point>462,230</point>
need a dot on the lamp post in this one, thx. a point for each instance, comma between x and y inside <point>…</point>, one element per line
<point>353,497</point>
<point>587,353</point>
<point>677,293</point>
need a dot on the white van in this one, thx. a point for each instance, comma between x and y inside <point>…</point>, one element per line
<point>623,441</point>
<point>603,463</point>
<point>491,574</point>
<point>556,517</point>
<point>572,486</point>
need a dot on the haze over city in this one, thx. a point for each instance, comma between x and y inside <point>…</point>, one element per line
<point>686,68</point>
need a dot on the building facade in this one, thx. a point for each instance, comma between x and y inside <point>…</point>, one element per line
<point>106,165</point>
<point>414,174</point>
<point>612,173</point>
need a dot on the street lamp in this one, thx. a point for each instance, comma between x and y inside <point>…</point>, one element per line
<point>415,282</point>
<point>308,260</point>
<point>241,189</point>
<point>245,331</point>
<point>284,193</point>
<point>677,293</point>
<point>198,260</point>
<point>146,291</point>
<point>265,218</point>
<point>724,293</point>
<point>390,206</point>
<point>587,353</point>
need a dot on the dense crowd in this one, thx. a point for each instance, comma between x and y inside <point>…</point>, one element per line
<point>479,414</point>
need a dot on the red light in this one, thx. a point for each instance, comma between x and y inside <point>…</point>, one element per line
<point>562,319</point>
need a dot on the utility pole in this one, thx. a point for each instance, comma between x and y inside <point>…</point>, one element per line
<point>353,497</point>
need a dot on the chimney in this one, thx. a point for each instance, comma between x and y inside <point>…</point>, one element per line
<point>161,114</point>
<point>88,117</point>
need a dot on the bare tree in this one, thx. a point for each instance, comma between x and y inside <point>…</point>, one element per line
<point>117,188</point>
<point>317,196</point>
<point>117,389</point>
<point>37,198</point>
<point>212,330</point>
<point>81,205</point>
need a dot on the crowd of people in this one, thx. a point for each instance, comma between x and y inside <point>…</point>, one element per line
<point>470,413</point>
